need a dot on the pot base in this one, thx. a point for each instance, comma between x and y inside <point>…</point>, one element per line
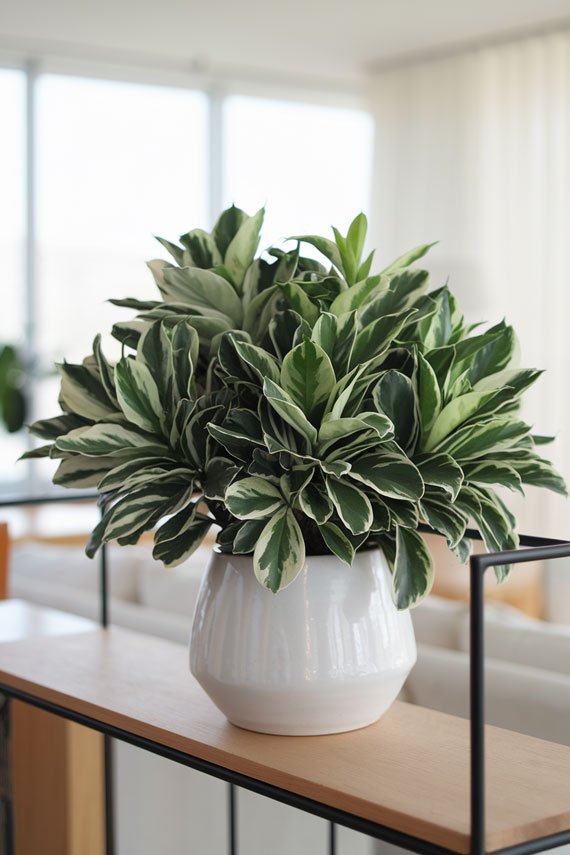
<point>315,709</point>
<point>328,654</point>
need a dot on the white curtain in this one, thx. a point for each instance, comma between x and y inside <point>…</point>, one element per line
<point>474,150</point>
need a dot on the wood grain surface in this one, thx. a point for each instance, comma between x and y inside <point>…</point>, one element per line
<point>409,771</point>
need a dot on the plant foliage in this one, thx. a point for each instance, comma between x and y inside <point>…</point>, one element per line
<point>302,407</point>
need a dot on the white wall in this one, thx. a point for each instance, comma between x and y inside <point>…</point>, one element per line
<point>473,150</point>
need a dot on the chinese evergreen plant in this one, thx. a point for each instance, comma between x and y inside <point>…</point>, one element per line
<point>303,408</point>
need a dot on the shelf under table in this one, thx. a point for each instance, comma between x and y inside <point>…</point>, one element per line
<point>409,771</point>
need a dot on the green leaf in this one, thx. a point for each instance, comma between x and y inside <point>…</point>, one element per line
<point>408,258</point>
<point>540,473</point>
<point>247,537</point>
<point>219,474</point>
<point>280,551</point>
<point>242,248</point>
<point>299,301</point>
<point>58,426</point>
<point>259,360</point>
<point>440,470</point>
<point>284,405</point>
<point>477,440</point>
<point>110,440</point>
<point>253,498</point>
<point>413,572</point>
<point>356,235</point>
<point>337,542</point>
<point>308,377</point>
<point>82,472</point>
<point>176,550</point>
<point>83,394</point>
<point>394,396</point>
<point>441,515</point>
<point>315,503</point>
<point>374,339</point>
<point>120,473</point>
<point>132,514</point>
<point>453,415</point>
<point>429,394</point>
<point>227,226</point>
<point>328,248</point>
<point>352,505</point>
<point>203,290</point>
<point>138,395</point>
<point>389,474</point>
<point>336,336</point>
<point>202,249</point>
<point>357,295</point>
<point>494,473</point>
<point>185,344</point>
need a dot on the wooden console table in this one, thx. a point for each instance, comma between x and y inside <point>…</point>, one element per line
<point>408,773</point>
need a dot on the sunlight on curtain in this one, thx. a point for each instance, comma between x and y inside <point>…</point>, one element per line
<point>474,150</point>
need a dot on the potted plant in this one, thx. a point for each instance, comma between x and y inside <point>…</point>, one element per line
<point>315,414</point>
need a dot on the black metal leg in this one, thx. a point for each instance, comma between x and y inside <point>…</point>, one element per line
<point>109,807</point>
<point>332,838</point>
<point>232,820</point>
<point>477,703</point>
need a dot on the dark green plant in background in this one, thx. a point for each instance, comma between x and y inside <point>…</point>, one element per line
<point>303,407</point>
<point>12,398</point>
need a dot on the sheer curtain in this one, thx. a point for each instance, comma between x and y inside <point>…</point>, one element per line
<point>473,150</point>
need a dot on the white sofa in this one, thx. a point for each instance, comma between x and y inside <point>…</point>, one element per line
<point>160,805</point>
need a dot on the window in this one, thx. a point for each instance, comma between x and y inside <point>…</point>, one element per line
<point>116,163</point>
<point>12,239</point>
<point>310,165</point>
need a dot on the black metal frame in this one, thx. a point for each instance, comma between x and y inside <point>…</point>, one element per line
<point>534,549</point>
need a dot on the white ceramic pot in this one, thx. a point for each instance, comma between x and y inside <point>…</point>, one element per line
<point>327,654</point>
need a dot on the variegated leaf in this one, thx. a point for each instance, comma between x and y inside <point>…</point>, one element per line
<point>284,405</point>
<point>82,472</point>
<point>337,542</point>
<point>83,394</point>
<point>389,475</point>
<point>352,505</point>
<point>110,440</point>
<point>413,572</point>
<point>308,377</point>
<point>138,395</point>
<point>279,554</point>
<point>253,498</point>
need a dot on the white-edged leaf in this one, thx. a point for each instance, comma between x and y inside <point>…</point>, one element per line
<point>262,363</point>
<point>138,395</point>
<point>83,394</point>
<point>242,248</point>
<point>389,474</point>
<point>110,440</point>
<point>289,411</point>
<point>413,572</point>
<point>315,503</point>
<point>280,551</point>
<point>253,498</point>
<point>308,377</point>
<point>82,472</point>
<point>337,542</point>
<point>352,505</point>
<point>441,470</point>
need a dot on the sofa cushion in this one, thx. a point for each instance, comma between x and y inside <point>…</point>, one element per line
<point>514,637</point>
<point>68,565</point>
<point>173,589</point>
<point>438,621</point>
<point>517,697</point>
